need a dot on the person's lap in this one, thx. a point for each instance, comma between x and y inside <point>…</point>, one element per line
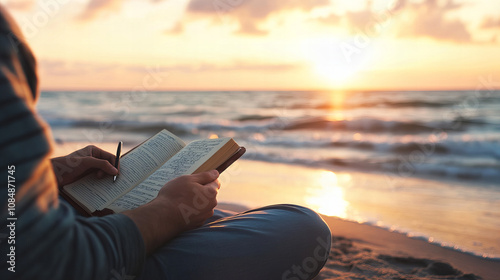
<point>274,242</point>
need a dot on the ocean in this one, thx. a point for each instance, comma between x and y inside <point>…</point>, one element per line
<point>436,153</point>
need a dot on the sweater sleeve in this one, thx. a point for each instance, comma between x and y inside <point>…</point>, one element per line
<point>40,236</point>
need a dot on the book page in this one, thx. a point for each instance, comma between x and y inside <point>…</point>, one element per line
<point>184,162</point>
<point>135,166</point>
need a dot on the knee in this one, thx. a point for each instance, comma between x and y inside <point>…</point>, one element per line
<point>305,222</point>
<point>307,219</point>
<point>298,222</point>
<point>314,237</point>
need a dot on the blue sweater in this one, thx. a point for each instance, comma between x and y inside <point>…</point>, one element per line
<point>41,237</point>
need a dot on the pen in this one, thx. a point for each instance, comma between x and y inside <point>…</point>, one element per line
<point>117,158</point>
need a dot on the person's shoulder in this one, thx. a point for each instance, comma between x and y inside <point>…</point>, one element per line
<point>8,26</point>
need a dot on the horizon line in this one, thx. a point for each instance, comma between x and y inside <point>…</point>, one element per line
<point>275,90</point>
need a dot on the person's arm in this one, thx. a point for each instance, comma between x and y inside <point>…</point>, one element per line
<point>182,204</point>
<point>163,218</point>
<point>48,241</point>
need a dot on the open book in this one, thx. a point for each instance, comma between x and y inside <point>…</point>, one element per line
<point>146,168</point>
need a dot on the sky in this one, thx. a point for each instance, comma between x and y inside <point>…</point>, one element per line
<point>262,44</point>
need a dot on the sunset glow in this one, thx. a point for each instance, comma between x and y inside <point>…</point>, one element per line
<point>330,63</point>
<point>329,197</point>
<point>189,44</point>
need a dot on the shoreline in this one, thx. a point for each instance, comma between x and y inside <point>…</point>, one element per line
<point>360,250</point>
<point>361,245</point>
<point>407,251</point>
<point>410,206</point>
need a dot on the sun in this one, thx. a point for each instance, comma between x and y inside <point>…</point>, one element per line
<point>330,60</point>
<point>327,196</point>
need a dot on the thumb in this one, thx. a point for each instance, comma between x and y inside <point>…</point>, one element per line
<point>104,165</point>
<point>206,177</point>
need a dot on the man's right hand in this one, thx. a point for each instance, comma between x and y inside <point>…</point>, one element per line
<point>191,198</point>
<point>182,204</point>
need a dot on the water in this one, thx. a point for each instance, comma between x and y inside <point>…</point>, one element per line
<point>449,138</point>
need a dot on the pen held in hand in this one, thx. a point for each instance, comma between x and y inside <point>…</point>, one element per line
<point>117,158</point>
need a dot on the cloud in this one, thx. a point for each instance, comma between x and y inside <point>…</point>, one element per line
<point>490,23</point>
<point>64,68</point>
<point>95,8</point>
<point>78,68</point>
<point>211,68</point>
<point>249,13</point>
<point>431,19</point>
<point>360,19</point>
<point>428,18</point>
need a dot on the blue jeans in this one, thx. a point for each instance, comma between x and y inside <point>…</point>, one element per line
<point>273,242</point>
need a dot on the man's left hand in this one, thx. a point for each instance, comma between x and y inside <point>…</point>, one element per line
<point>74,166</point>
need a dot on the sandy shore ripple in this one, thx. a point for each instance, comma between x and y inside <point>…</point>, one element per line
<point>361,251</point>
<point>350,261</point>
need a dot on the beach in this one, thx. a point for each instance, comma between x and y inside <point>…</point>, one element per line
<point>381,116</point>
<point>406,180</point>
<point>359,250</point>
<point>366,252</point>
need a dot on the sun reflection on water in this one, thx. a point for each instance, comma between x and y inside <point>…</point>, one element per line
<point>327,195</point>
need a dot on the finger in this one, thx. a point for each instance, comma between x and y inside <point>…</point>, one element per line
<point>102,154</point>
<point>206,177</point>
<point>215,184</point>
<point>100,174</point>
<point>212,189</point>
<point>104,165</point>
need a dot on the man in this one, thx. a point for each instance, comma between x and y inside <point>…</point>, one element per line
<point>42,237</point>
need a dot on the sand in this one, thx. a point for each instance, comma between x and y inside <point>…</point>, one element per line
<point>359,251</point>
<point>366,252</point>
<point>362,251</point>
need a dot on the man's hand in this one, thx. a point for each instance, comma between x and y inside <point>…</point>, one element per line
<point>182,204</point>
<point>192,198</point>
<point>74,166</point>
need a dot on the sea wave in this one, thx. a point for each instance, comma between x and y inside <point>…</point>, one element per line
<point>396,166</point>
<point>387,104</point>
<point>257,123</point>
<point>272,132</point>
<point>445,147</point>
<point>431,135</point>
<point>246,118</point>
<point>377,125</point>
